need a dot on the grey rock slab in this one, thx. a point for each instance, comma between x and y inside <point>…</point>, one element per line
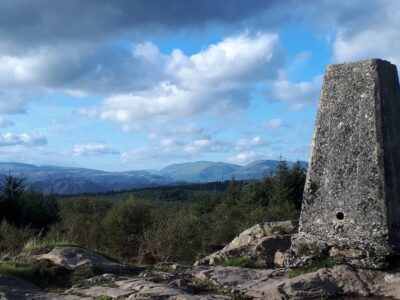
<point>339,281</point>
<point>75,257</point>
<point>351,201</point>
<point>259,243</point>
<point>234,278</point>
<point>146,289</point>
<point>96,291</point>
<point>202,297</point>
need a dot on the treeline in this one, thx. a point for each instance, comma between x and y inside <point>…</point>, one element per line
<point>149,226</point>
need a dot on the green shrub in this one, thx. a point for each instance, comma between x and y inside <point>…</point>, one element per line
<point>124,226</point>
<point>12,238</point>
<point>81,220</point>
<point>176,235</point>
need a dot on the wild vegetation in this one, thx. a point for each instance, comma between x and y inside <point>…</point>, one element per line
<point>178,223</point>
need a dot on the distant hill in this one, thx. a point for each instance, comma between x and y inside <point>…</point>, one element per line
<point>66,180</point>
<point>200,171</point>
<point>259,169</point>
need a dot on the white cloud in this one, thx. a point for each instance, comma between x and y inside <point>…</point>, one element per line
<point>216,79</point>
<point>243,158</point>
<point>93,150</point>
<point>173,149</point>
<point>273,123</point>
<point>81,68</point>
<point>22,139</point>
<point>149,52</point>
<point>296,95</point>
<point>370,35</point>
<point>204,146</point>
<point>174,128</point>
<point>171,142</point>
<point>378,42</point>
<point>251,143</point>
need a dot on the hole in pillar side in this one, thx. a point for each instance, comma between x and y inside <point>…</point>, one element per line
<point>340,215</point>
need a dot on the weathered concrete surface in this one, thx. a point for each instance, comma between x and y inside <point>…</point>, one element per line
<point>351,202</point>
<point>258,243</point>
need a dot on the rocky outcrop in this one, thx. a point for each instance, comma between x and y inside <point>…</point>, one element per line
<point>140,289</point>
<point>259,243</point>
<point>217,282</point>
<point>325,283</point>
<point>76,257</point>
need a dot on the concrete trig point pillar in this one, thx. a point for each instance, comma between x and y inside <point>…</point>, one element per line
<point>351,201</point>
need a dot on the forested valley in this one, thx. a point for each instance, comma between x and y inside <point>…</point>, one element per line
<point>172,223</point>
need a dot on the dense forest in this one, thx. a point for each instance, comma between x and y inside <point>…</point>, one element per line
<point>178,223</point>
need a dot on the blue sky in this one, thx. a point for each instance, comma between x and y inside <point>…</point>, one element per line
<point>125,85</point>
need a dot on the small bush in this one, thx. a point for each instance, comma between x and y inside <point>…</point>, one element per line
<point>12,238</point>
<point>176,235</point>
<point>81,220</point>
<point>124,226</point>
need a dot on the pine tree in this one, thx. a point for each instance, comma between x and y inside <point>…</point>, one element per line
<point>296,181</point>
<point>11,199</point>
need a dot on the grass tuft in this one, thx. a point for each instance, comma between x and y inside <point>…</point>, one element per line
<point>242,261</point>
<point>45,274</point>
<point>37,246</point>
<point>315,266</point>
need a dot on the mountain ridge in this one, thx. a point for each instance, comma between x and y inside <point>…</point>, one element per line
<point>77,180</point>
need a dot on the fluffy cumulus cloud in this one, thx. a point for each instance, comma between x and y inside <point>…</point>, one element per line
<point>80,68</point>
<point>42,50</point>
<point>216,79</point>
<point>22,139</point>
<point>296,95</point>
<point>164,95</point>
<point>93,150</point>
